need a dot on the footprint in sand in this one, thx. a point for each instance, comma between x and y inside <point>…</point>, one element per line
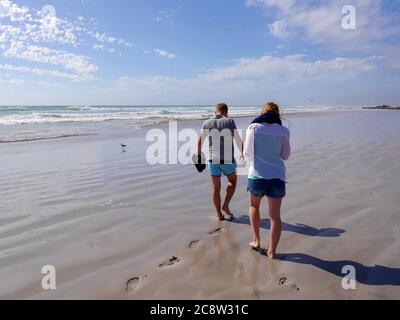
<point>92,245</point>
<point>194,244</point>
<point>216,231</point>
<point>288,283</point>
<point>169,262</point>
<point>132,283</point>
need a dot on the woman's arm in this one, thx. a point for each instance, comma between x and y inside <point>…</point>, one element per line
<point>249,145</point>
<point>238,141</point>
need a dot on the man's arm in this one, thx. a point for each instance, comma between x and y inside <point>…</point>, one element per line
<point>200,143</point>
<point>237,137</point>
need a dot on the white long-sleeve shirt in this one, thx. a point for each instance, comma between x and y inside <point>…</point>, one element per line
<point>267,147</point>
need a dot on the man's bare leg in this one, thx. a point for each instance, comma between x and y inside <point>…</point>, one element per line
<point>230,191</point>
<point>255,220</point>
<point>216,194</point>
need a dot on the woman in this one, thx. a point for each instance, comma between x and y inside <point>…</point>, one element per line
<point>267,147</point>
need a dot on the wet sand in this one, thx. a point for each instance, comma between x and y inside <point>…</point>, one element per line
<point>115,227</point>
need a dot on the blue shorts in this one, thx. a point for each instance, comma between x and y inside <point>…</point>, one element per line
<point>216,170</point>
<point>274,188</point>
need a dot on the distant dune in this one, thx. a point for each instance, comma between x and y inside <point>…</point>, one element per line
<point>383,107</point>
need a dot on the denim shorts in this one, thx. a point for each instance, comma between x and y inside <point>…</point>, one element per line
<point>217,170</point>
<point>274,188</point>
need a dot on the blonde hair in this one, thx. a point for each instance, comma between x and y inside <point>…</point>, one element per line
<point>271,107</point>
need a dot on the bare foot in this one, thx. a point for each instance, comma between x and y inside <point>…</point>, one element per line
<point>220,217</point>
<point>270,254</point>
<point>254,245</point>
<point>226,209</point>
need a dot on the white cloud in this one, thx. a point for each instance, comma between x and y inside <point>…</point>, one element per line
<point>32,35</point>
<point>103,48</point>
<point>165,54</point>
<point>278,29</point>
<point>78,63</point>
<point>104,39</point>
<point>14,12</point>
<point>48,84</point>
<point>36,27</point>
<point>321,23</point>
<point>99,47</point>
<point>19,38</point>
<point>291,79</point>
<point>12,81</point>
<point>292,68</point>
<point>9,33</point>
<point>284,5</point>
<point>166,15</point>
<point>43,72</point>
<point>267,70</point>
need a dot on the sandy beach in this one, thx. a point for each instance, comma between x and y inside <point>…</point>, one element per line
<point>115,227</point>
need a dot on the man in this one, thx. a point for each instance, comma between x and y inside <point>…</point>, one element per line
<point>221,131</point>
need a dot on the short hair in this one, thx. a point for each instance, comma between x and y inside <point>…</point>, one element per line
<point>222,108</point>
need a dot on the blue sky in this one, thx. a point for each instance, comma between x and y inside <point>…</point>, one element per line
<point>198,52</point>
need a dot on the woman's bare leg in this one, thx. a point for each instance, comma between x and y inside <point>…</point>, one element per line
<point>276,224</point>
<point>255,220</point>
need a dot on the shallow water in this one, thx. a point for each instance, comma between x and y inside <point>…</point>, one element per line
<point>43,122</point>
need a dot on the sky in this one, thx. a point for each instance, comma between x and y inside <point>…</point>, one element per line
<point>199,52</point>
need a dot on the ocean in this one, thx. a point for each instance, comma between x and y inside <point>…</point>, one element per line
<point>26,123</point>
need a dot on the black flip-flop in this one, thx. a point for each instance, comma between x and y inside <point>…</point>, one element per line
<point>259,250</point>
<point>199,162</point>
